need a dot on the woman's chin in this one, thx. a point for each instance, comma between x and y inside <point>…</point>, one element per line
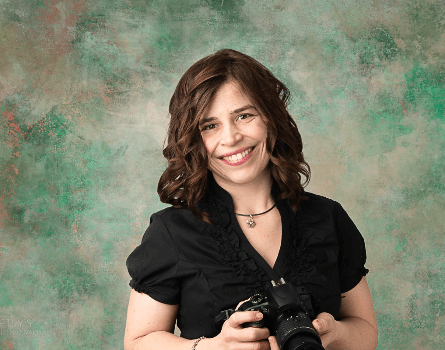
<point>239,179</point>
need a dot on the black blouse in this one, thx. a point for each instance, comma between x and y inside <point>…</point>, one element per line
<point>209,268</point>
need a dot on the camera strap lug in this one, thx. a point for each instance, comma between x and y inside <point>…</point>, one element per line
<point>223,317</point>
<point>278,283</point>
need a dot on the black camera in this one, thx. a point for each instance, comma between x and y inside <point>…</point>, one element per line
<point>288,315</point>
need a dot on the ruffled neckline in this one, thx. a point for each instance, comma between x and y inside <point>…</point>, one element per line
<point>218,204</point>
<point>230,248</point>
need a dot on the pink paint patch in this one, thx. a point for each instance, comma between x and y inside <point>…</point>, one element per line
<point>74,227</point>
<point>4,217</point>
<point>56,20</point>
<point>7,344</point>
<point>14,130</point>
<point>9,115</point>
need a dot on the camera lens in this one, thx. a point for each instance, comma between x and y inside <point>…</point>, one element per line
<point>296,333</point>
<point>302,343</point>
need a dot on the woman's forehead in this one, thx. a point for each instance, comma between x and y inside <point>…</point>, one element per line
<point>230,98</point>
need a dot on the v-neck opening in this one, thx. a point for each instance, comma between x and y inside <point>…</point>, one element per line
<point>277,271</point>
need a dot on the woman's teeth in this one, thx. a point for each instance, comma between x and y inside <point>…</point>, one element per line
<point>236,157</point>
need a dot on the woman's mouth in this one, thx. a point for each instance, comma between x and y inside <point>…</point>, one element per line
<point>238,158</point>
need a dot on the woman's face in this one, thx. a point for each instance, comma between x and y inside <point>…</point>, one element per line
<point>234,134</point>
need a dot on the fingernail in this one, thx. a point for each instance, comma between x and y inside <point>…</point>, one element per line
<point>259,316</point>
<point>318,325</point>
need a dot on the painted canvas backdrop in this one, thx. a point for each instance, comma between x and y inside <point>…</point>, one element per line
<point>84,91</point>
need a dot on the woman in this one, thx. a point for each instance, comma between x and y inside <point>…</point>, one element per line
<point>239,219</point>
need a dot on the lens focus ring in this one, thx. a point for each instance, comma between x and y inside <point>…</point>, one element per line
<point>296,333</point>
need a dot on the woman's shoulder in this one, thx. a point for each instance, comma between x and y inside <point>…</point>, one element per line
<point>316,202</point>
<point>319,208</point>
<point>172,214</point>
<point>318,198</point>
<point>177,220</point>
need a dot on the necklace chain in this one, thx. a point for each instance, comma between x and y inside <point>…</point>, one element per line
<point>251,223</point>
<point>264,212</point>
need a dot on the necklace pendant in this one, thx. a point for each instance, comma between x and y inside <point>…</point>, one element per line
<point>250,222</point>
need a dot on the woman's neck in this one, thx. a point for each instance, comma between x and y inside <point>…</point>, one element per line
<point>251,198</point>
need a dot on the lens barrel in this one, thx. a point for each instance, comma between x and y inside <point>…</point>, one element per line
<point>296,333</point>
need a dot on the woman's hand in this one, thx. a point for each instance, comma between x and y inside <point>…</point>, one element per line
<point>234,337</point>
<point>273,343</point>
<point>327,328</point>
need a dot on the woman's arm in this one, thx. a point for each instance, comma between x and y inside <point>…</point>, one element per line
<point>150,325</point>
<point>357,327</point>
<point>146,316</point>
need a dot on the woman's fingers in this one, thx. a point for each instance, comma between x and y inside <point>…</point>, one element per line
<point>259,345</point>
<point>248,334</point>
<point>234,336</point>
<point>273,343</point>
<point>252,334</point>
<point>238,318</point>
<point>324,323</point>
<point>327,328</point>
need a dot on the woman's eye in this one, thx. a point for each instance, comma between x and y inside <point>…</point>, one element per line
<point>209,127</point>
<point>244,116</point>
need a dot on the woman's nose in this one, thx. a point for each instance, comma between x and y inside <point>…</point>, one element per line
<point>230,136</point>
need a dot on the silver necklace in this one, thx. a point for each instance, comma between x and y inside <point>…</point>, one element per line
<point>250,223</point>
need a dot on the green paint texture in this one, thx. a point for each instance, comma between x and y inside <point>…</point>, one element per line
<point>84,93</point>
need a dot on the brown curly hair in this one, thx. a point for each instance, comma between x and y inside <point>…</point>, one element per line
<point>184,181</point>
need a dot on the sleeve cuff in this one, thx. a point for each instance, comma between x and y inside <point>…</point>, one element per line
<point>353,281</point>
<point>155,294</point>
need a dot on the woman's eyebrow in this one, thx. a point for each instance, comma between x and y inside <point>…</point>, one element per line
<point>243,108</point>
<point>206,120</point>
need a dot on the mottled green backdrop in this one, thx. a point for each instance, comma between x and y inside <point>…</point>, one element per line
<point>84,90</point>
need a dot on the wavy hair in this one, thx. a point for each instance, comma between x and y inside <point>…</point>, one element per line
<point>184,181</point>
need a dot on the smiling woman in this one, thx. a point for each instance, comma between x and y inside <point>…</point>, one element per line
<point>233,152</point>
<point>257,94</point>
<point>235,138</point>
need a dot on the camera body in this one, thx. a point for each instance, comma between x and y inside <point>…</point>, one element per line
<point>287,313</point>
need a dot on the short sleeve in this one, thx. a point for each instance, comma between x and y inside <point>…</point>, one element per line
<point>352,255</point>
<point>153,265</point>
